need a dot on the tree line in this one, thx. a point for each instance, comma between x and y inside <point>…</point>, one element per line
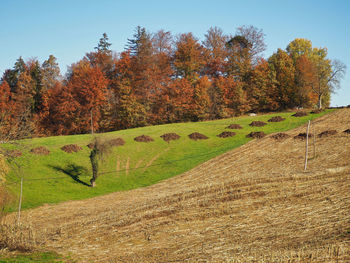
<point>160,78</point>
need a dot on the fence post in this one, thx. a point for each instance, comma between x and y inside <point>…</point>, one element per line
<point>20,201</point>
<point>307,144</point>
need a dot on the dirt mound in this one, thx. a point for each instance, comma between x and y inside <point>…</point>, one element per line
<point>327,133</point>
<point>40,150</point>
<point>234,126</point>
<point>276,119</point>
<point>280,136</point>
<point>70,148</point>
<point>300,114</point>
<point>14,153</point>
<point>257,123</point>
<point>116,142</point>
<point>170,136</point>
<point>316,111</point>
<point>226,134</point>
<point>197,136</point>
<point>302,136</point>
<point>143,138</point>
<point>347,131</point>
<point>256,135</point>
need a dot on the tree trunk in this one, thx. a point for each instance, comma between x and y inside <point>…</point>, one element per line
<point>319,101</point>
<point>93,183</point>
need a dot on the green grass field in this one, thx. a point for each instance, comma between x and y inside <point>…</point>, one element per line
<point>39,257</point>
<point>62,176</point>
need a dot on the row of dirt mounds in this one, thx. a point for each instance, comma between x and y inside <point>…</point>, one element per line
<point>143,138</point>
<point>300,114</point>
<point>280,136</point>
<point>170,136</point>
<point>70,148</point>
<point>226,134</point>
<point>257,123</point>
<point>234,126</point>
<point>41,150</point>
<point>256,135</point>
<point>197,136</point>
<point>276,119</point>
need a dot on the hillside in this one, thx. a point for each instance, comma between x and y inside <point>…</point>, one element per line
<point>52,175</point>
<point>254,203</point>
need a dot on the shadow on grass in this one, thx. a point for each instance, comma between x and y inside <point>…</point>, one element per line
<point>74,171</point>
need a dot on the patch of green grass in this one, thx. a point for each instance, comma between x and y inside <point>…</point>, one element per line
<point>47,257</point>
<point>61,176</point>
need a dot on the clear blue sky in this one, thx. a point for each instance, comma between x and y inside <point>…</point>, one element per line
<point>69,29</point>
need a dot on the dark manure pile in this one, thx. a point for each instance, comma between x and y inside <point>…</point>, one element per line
<point>256,135</point>
<point>302,136</point>
<point>276,119</point>
<point>257,124</point>
<point>116,142</point>
<point>143,138</point>
<point>327,133</point>
<point>234,126</point>
<point>226,134</point>
<point>347,131</point>
<point>170,137</point>
<point>316,111</point>
<point>14,153</point>
<point>280,136</point>
<point>300,114</point>
<point>70,148</point>
<point>197,136</point>
<point>40,151</point>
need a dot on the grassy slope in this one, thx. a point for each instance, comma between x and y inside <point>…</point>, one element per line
<point>174,158</point>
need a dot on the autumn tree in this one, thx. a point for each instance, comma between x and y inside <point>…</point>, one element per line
<point>215,42</point>
<point>50,72</point>
<point>189,57</point>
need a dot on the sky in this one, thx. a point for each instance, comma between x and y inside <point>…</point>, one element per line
<point>68,29</point>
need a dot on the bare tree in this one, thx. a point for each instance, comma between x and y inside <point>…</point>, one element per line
<point>99,150</point>
<point>327,77</point>
<point>256,38</point>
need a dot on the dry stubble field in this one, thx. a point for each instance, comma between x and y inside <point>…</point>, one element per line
<point>252,204</point>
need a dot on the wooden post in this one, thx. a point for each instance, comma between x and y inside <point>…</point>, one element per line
<point>307,145</point>
<point>313,131</point>
<point>20,201</point>
<point>91,124</point>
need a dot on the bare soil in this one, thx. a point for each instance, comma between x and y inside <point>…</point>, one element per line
<point>300,114</point>
<point>70,148</point>
<point>170,136</point>
<point>276,119</point>
<point>252,204</point>
<point>327,133</point>
<point>197,136</point>
<point>256,135</point>
<point>143,138</point>
<point>280,136</point>
<point>226,134</point>
<point>40,151</point>
<point>234,126</point>
<point>257,123</point>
